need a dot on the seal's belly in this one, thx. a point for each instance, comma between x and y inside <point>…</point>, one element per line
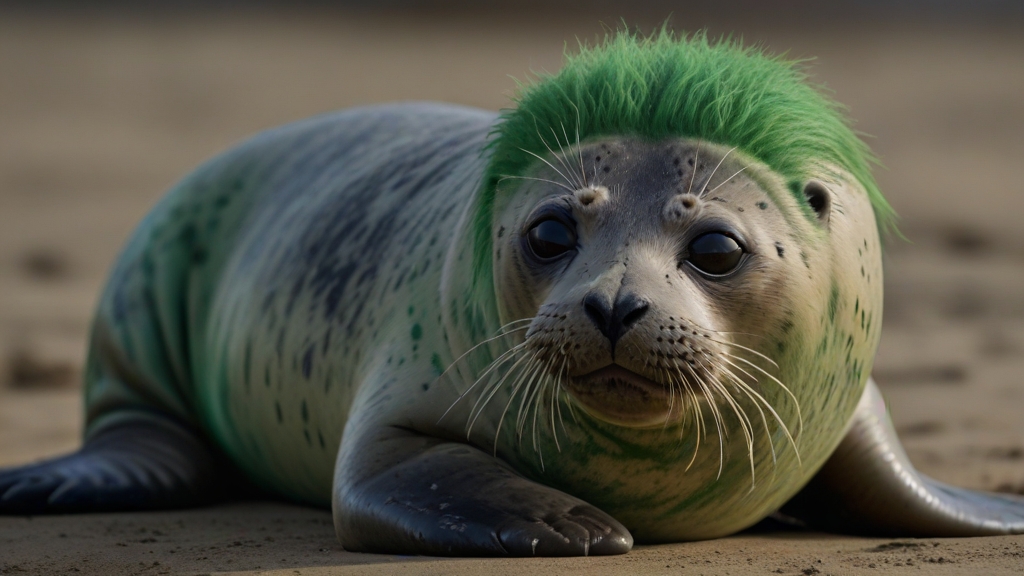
<point>330,276</point>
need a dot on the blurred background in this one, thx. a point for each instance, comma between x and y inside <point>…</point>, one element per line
<point>104,105</point>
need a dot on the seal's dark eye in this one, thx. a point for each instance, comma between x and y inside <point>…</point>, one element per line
<point>550,239</point>
<point>715,254</point>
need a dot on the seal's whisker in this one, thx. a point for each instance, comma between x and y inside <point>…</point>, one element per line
<point>708,181</point>
<point>523,403</point>
<point>488,394</point>
<point>749,424</point>
<point>583,171</point>
<point>552,152</point>
<point>696,166</point>
<point>553,410</point>
<point>504,357</point>
<point>742,347</point>
<point>513,322</point>
<point>671,402</point>
<point>525,385</point>
<point>559,394</point>
<point>567,169</point>
<point>785,428</point>
<point>757,400</point>
<point>559,184</point>
<point>572,410</point>
<point>745,425</point>
<point>734,174</point>
<point>688,406</point>
<point>494,365</point>
<point>751,393</point>
<point>556,400</point>
<point>578,147</point>
<point>538,403</point>
<point>796,403</point>
<point>478,345</point>
<point>721,430</point>
<point>516,385</point>
<point>552,166</point>
<point>671,385</point>
<point>536,400</point>
<point>698,414</point>
<point>561,155</point>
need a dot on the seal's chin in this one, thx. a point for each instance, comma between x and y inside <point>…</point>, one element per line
<point>623,397</point>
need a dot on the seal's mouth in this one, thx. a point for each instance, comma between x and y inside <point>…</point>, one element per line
<point>619,378</point>
<point>621,396</point>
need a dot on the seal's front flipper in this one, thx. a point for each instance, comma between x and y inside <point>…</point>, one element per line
<point>142,464</point>
<point>868,486</point>
<point>428,496</point>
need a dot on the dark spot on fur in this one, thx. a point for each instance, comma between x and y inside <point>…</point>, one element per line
<point>320,437</point>
<point>327,341</point>
<point>280,415</point>
<point>305,412</point>
<point>833,303</point>
<point>779,248</point>
<point>607,169</point>
<point>762,205</point>
<point>416,332</point>
<point>307,362</point>
<point>501,231</point>
<point>309,441</point>
<point>787,325</point>
<point>199,255</point>
<point>247,366</point>
<point>426,386</point>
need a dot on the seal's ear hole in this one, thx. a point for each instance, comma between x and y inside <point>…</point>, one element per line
<point>820,200</point>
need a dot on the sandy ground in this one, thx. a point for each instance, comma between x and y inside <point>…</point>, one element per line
<point>99,116</point>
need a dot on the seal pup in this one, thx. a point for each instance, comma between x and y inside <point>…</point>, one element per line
<point>643,304</point>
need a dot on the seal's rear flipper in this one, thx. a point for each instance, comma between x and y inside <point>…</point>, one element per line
<point>143,464</point>
<point>868,486</point>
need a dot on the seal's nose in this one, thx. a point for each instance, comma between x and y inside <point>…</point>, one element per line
<point>615,321</point>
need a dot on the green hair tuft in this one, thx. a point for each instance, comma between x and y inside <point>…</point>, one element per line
<point>664,86</point>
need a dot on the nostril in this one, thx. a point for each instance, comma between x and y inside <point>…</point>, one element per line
<point>634,315</point>
<point>598,311</point>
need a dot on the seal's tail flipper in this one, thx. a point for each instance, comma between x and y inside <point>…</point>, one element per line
<point>868,486</point>
<point>148,463</point>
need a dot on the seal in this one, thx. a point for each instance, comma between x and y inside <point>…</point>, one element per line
<point>643,304</point>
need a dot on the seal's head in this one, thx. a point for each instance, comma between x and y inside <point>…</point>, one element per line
<point>681,237</point>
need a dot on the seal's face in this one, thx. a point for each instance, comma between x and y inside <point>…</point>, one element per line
<point>652,281</point>
<point>711,330</point>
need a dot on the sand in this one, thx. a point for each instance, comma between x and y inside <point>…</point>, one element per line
<point>101,114</point>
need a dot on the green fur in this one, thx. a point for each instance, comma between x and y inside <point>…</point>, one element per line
<point>662,86</point>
